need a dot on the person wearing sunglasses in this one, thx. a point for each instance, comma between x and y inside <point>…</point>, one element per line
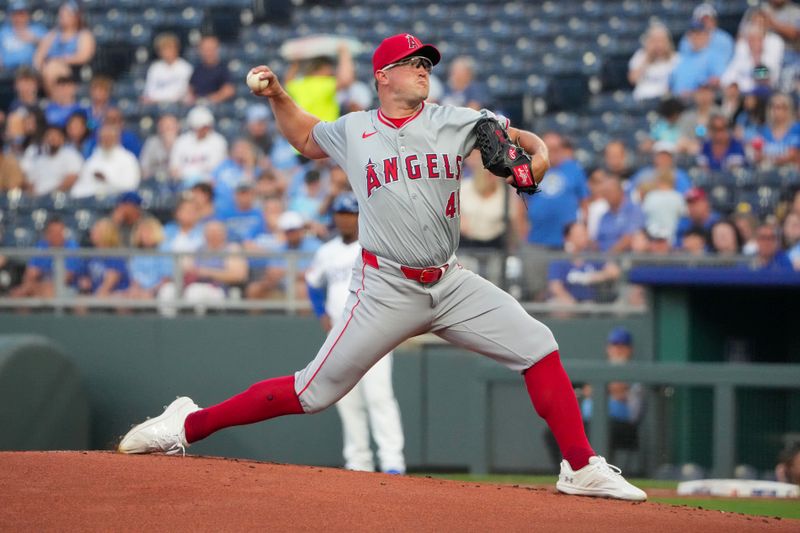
<point>404,162</point>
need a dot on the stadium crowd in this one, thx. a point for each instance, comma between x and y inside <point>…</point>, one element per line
<point>726,106</point>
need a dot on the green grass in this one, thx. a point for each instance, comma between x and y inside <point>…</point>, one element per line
<point>789,508</point>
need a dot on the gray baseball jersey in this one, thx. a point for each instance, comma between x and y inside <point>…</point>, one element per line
<point>407,180</point>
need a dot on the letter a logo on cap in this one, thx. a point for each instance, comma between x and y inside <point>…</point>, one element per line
<point>412,41</point>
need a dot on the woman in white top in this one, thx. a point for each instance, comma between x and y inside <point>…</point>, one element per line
<point>167,78</point>
<point>754,47</point>
<point>650,67</point>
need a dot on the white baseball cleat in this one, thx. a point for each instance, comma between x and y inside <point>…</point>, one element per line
<point>598,479</point>
<point>163,433</point>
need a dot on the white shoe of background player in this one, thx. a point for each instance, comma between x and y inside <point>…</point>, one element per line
<point>163,433</point>
<point>599,479</point>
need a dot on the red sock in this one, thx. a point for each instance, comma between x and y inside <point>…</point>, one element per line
<point>262,401</point>
<point>554,399</point>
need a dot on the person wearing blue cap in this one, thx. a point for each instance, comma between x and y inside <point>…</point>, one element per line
<point>698,65</point>
<point>18,37</point>
<point>371,404</point>
<point>127,214</point>
<point>720,43</point>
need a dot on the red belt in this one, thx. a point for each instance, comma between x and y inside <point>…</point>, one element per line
<point>422,275</point>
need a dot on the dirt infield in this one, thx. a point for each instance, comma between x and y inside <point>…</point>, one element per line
<point>103,491</point>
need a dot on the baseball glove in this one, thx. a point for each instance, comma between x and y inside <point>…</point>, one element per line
<point>503,158</point>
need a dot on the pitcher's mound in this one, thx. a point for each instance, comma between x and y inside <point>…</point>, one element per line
<point>103,491</point>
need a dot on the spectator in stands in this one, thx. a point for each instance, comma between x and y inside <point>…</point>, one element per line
<point>698,65</point>
<point>752,116</point>
<point>102,275</point>
<point>11,175</point>
<point>755,47</point>
<point>210,81</point>
<point>781,135</point>
<point>127,215</point>
<point>650,67</point>
<point>731,104</point>
<point>695,242</point>
<point>725,239</point>
<point>314,84</point>
<point>357,97</point>
<point>667,128</point>
<point>184,234</point>
<point>577,279</point>
<point>487,208</point>
<point>26,90</point>
<point>721,43</point>
<point>25,128</point>
<point>770,256</point>
<point>462,88</point>
<point>157,148</point>
<point>596,205</point>
<point>100,90</point>
<point>663,162</point>
<point>694,122</point>
<point>128,138</point>
<point>273,279</point>
<point>18,37</point>
<point>616,159</point>
<point>202,195</point>
<point>309,200</point>
<point>783,19</point>
<point>791,236</point>
<point>662,205</point>
<point>621,221</point>
<point>209,277</point>
<point>110,170</point>
<point>651,240</point>
<point>51,166</point>
<point>788,468</point>
<point>274,151</point>
<point>563,190</point>
<point>700,216</point>
<point>168,77</point>
<point>37,281</point>
<point>245,220</point>
<point>69,45</point>
<point>240,167</point>
<point>199,151</point>
<point>148,273</point>
<point>78,134</point>
<point>63,101</point>
<point>721,152</point>
<point>746,223</point>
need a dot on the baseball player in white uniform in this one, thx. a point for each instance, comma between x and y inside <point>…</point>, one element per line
<point>328,279</point>
<point>403,161</point>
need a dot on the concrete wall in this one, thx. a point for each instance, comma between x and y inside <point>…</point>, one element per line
<point>133,365</point>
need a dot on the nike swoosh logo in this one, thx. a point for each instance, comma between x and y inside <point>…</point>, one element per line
<point>365,134</point>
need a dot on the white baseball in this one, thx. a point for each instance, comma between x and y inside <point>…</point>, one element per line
<point>255,83</point>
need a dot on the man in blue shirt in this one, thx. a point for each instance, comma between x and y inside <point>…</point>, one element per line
<point>698,66</point>
<point>577,279</point>
<point>63,103</point>
<point>38,278</point>
<point>623,218</point>
<point>245,221</point>
<point>210,80</point>
<point>563,190</point>
<point>18,37</point>
<point>721,152</point>
<point>720,42</point>
<point>770,257</point>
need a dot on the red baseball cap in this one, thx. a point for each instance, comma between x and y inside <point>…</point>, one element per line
<point>695,193</point>
<point>402,45</point>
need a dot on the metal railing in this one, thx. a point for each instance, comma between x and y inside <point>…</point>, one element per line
<point>503,273</point>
